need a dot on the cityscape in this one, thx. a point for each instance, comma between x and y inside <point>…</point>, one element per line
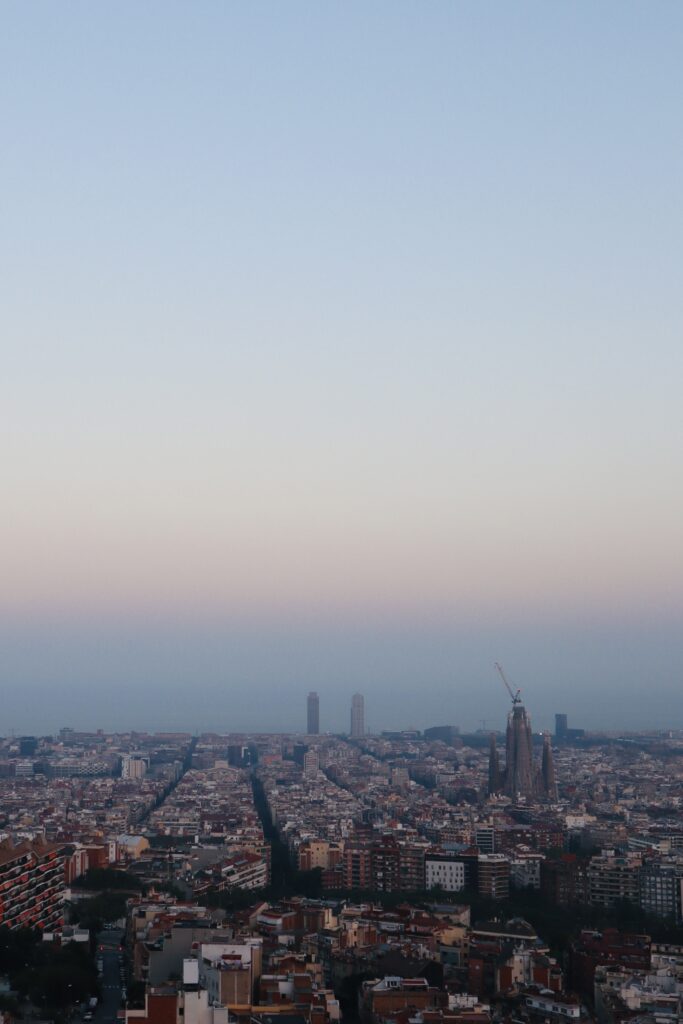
<point>341,559</point>
<point>400,877</point>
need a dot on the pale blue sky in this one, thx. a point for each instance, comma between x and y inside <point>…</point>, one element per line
<point>339,323</point>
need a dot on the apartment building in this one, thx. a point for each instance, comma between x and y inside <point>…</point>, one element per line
<point>444,871</point>
<point>230,972</point>
<point>661,888</point>
<point>614,878</point>
<point>494,876</point>
<point>31,885</point>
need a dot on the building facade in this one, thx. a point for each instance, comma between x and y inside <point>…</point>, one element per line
<point>357,716</point>
<point>311,764</point>
<point>494,876</point>
<point>444,872</point>
<point>313,714</point>
<point>661,888</point>
<point>614,878</point>
<point>31,885</point>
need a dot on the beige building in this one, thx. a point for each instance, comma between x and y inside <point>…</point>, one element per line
<point>132,846</point>
<point>230,973</point>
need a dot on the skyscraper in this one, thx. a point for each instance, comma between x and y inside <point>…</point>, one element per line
<point>313,714</point>
<point>560,727</point>
<point>357,716</point>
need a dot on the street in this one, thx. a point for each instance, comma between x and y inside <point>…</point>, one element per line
<point>109,952</point>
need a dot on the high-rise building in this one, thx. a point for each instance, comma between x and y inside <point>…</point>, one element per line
<point>564,881</point>
<point>614,878</point>
<point>357,866</point>
<point>313,713</point>
<point>661,888</point>
<point>311,764</point>
<point>134,766</point>
<point>385,865</point>
<point>357,716</point>
<point>494,876</point>
<point>562,731</point>
<point>485,838</point>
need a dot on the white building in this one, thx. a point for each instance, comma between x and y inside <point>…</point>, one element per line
<point>229,972</point>
<point>133,766</point>
<point>245,871</point>
<point>525,869</point>
<point>444,872</point>
<point>553,1005</point>
<point>311,764</point>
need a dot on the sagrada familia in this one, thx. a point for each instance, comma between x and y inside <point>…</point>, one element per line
<point>519,777</point>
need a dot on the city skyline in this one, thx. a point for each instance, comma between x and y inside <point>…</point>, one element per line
<point>515,729</point>
<point>341,352</point>
<point>109,686</point>
<point>253,875</point>
<point>341,573</point>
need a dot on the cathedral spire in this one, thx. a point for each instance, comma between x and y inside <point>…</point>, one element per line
<point>548,769</point>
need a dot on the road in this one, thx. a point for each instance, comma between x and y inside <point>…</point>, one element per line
<point>109,949</point>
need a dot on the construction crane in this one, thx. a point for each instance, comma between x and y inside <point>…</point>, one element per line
<point>514,697</point>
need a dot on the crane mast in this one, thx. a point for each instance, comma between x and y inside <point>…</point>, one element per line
<point>514,697</point>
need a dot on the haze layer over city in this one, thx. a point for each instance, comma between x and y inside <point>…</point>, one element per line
<point>341,352</point>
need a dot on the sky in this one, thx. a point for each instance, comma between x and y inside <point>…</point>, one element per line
<point>340,349</point>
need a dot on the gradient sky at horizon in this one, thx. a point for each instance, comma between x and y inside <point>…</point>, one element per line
<point>341,349</point>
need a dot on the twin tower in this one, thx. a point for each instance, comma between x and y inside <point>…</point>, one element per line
<point>520,778</point>
<point>357,715</point>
